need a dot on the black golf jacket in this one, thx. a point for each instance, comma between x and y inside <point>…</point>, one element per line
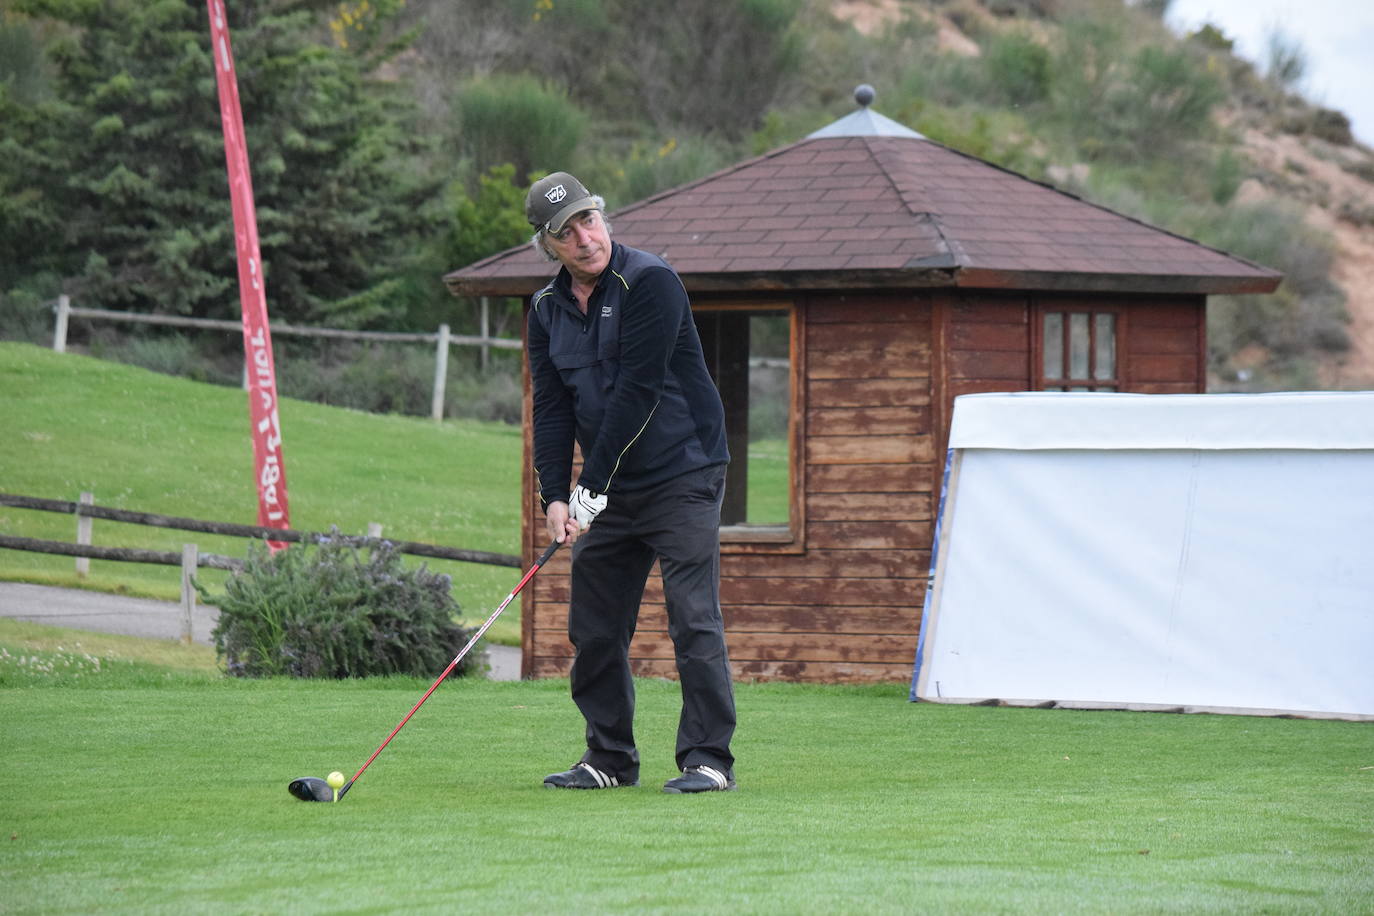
<point>627,380</point>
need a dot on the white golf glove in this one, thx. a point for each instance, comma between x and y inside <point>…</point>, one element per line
<point>584,506</point>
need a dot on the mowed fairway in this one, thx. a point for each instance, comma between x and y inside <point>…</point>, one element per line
<point>159,787</point>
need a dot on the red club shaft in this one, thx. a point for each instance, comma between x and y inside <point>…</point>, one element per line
<point>544,558</point>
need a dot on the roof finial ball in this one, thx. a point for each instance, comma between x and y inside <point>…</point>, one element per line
<point>863,94</point>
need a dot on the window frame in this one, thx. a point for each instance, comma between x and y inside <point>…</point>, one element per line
<point>1041,382</point>
<point>788,538</point>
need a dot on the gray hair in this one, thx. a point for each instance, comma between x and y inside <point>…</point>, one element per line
<point>538,239</point>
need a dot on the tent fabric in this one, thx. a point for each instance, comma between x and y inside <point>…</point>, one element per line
<point>1100,420</point>
<point>1213,577</point>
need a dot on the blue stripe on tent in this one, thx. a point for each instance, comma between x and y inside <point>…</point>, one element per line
<point>930,578</point>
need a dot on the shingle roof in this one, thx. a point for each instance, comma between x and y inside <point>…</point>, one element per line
<point>883,209</point>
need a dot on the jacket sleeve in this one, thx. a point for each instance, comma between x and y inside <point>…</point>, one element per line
<point>554,424</point>
<point>649,322</point>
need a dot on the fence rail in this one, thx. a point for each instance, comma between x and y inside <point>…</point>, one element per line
<point>122,554</point>
<point>230,529</point>
<point>442,338</point>
<point>190,558</point>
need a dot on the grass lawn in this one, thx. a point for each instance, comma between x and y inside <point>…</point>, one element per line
<point>153,443</point>
<point>151,785</point>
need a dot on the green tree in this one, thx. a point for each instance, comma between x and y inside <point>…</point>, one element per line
<point>490,221</point>
<point>134,165</point>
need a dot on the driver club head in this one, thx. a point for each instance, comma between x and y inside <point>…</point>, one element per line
<point>311,788</point>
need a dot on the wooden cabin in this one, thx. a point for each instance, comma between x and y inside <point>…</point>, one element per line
<point>848,287</point>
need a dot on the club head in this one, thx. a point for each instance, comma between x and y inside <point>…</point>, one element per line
<point>310,788</point>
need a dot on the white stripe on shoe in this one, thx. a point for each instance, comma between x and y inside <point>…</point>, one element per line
<point>603,780</point>
<point>715,776</point>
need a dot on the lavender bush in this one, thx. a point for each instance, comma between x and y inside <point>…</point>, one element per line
<point>344,607</point>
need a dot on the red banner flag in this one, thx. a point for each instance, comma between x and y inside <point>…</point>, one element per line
<point>268,465</point>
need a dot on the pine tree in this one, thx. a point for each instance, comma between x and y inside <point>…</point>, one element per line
<point>133,162</point>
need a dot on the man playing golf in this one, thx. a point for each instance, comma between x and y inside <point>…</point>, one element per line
<point>617,367</point>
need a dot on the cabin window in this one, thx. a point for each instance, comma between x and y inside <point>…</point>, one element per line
<point>750,354</point>
<point>1078,350</point>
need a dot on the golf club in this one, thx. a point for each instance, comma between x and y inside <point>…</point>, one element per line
<point>312,788</point>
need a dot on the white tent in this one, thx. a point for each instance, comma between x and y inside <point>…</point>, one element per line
<point>1195,552</point>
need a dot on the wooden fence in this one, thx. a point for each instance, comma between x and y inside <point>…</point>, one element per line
<point>190,558</point>
<point>442,339</point>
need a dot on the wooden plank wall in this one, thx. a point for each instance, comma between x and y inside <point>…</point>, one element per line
<point>846,606</point>
<point>1166,345</point>
<point>988,340</point>
<point>881,375</point>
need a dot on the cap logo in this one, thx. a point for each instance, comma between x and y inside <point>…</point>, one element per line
<point>556,193</point>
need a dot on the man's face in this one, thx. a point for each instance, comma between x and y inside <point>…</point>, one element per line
<point>583,245</point>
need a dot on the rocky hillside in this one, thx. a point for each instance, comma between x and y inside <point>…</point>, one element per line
<point>1322,173</point>
<point>1335,187</point>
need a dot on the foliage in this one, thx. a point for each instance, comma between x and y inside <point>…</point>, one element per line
<point>1304,318</point>
<point>22,70</point>
<point>649,168</point>
<point>1228,171</point>
<point>111,175</point>
<point>518,120</point>
<point>399,379</point>
<point>1130,106</point>
<point>1018,69</point>
<point>718,65</point>
<point>1159,9</point>
<point>1213,38</point>
<point>1332,126</point>
<point>1285,59</point>
<point>488,222</point>
<point>128,160</point>
<point>338,609</point>
<point>1305,315</point>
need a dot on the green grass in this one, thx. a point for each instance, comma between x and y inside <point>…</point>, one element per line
<point>769,488</point>
<point>149,442</point>
<point>40,655</point>
<point>127,792</point>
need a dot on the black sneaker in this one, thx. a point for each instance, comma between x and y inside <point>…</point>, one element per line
<point>700,779</point>
<point>586,776</point>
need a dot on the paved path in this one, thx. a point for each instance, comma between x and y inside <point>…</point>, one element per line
<point>106,613</point>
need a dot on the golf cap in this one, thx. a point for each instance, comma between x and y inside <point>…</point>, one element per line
<point>552,200</point>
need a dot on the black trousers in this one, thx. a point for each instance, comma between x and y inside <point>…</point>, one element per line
<point>677,523</point>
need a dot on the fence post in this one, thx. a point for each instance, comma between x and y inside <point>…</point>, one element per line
<point>485,354</point>
<point>59,332</point>
<point>190,559</point>
<point>374,530</point>
<point>436,405</point>
<point>83,533</point>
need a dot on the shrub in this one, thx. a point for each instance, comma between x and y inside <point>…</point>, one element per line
<point>1286,61</point>
<point>716,66</point>
<point>1227,173</point>
<point>488,220</point>
<point>651,168</point>
<point>1164,100</point>
<point>341,608</point>
<point>518,120</point>
<point>1018,69</point>
<point>1332,126</point>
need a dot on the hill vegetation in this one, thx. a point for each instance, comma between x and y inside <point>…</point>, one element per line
<point>392,139</point>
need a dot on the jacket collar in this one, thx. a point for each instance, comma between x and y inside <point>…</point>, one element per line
<point>562,283</point>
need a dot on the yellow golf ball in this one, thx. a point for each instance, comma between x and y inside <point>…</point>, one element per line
<point>335,780</point>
